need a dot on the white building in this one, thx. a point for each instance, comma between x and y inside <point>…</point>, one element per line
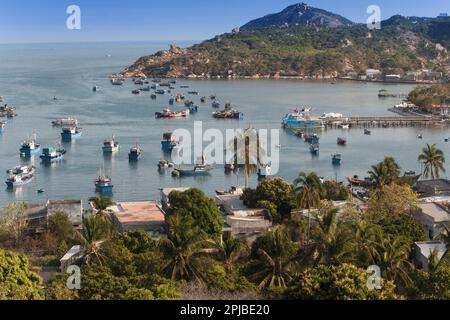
<point>424,250</point>
<point>433,217</point>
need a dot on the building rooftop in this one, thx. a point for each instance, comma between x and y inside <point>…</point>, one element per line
<point>73,209</point>
<point>433,187</point>
<point>434,211</point>
<point>75,250</point>
<point>142,213</point>
<point>427,247</point>
<point>168,191</point>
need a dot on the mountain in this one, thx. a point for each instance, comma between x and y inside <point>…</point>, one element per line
<point>316,48</point>
<point>299,14</point>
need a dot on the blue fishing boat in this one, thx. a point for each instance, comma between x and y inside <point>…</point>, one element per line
<point>336,159</point>
<point>302,119</point>
<point>110,145</point>
<point>70,133</point>
<point>135,153</point>
<point>30,147</point>
<point>199,170</point>
<point>169,142</point>
<point>20,176</point>
<point>311,138</point>
<point>103,184</point>
<point>50,155</point>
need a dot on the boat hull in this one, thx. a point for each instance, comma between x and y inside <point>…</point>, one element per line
<point>104,189</point>
<point>49,159</point>
<point>26,152</point>
<point>70,136</point>
<point>13,185</point>
<point>134,156</point>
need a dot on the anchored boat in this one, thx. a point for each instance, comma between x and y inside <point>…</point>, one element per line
<point>2,126</point>
<point>302,120</point>
<point>50,155</point>
<point>103,184</point>
<point>336,159</point>
<point>169,141</point>
<point>110,145</point>
<point>135,153</point>
<point>314,148</point>
<point>20,176</point>
<point>216,104</point>
<point>30,147</point>
<point>167,113</point>
<point>70,133</point>
<point>264,171</point>
<point>228,114</point>
<point>201,169</point>
<point>65,122</point>
<point>342,141</point>
<point>311,138</point>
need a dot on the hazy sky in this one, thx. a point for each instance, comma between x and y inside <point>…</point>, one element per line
<point>143,20</point>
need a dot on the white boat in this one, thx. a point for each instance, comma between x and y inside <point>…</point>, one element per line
<point>110,145</point>
<point>65,122</point>
<point>264,171</point>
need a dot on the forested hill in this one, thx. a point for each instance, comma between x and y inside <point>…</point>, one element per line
<point>295,50</point>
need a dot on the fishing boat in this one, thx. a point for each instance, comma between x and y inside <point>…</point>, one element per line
<point>167,113</point>
<point>314,148</point>
<point>355,181</point>
<point>50,155</point>
<point>336,159</point>
<point>165,164</point>
<point>153,96</point>
<point>96,88</point>
<point>264,171</point>
<point>201,169</point>
<point>65,122</point>
<point>117,82</point>
<point>70,133</point>
<point>195,93</point>
<point>2,126</point>
<point>302,119</point>
<point>145,89</point>
<point>139,82</point>
<point>311,138</point>
<point>213,97</point>
<point>160,91</point>
<point>216,104</point>
<point>30,147</point>
<point>135,153</point>
<point>184,87</point>
<point>103,184</point>
<point>136,91</point>
<point>169,141</point>
<point>342,141</point>
<point>171,101</point>
<point>203,99</point>
<point>228,114</point>
<point>420,136</point>
<point>20,176</point>
<point>110,145</point>
<point>173,81</point>
<point>165,84</point>
<point>367,132</point>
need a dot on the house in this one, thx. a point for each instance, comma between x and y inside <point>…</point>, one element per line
<point>432,75</point>
<point>412,76</point>
<point>424,250</point>
<point>141,215</point>
<point>433,217</point>
<point>165,193</point>
<point>433,188</point>
<point>74,255</point>
<point>38,213</point>
<point>373,73</point>
<point>242,222</point>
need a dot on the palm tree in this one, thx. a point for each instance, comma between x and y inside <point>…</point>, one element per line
<point>247,151</point>
<point>183,250</point>
<point>275,260</point>
<point>232,251</point>
<point>365,241</point>
<point>101,204</point>
<point>393,258</point>
<point>433,160</point>
<point>385,172</point>
<point>309,189</point>
<point>331,241</point>
<point>95,231</point>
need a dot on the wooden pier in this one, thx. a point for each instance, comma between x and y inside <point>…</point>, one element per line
<point>387,121</point>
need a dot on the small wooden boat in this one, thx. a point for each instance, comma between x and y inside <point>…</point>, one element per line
<point>167,113</point>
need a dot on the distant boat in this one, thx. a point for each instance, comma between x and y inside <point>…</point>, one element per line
<point>311,138</point>
<point>165,164</point>
<point>201,169</point>
<point>50,155</point>
<point>110,145</point>
<point>103,184</point>
<point>167,113</point>
<point>367,132</point>
<point>336,159</point>
<point>65,122</point>
<point>70,133</point>
<point>135,153</point>
<point>117,82</point>
<point>228,114</point>
<point>2,126</point>
<point>30,147</point>
<point>342,141</point>
<point>203,99</point>
<point>184,87</point>
<point>153,96</point>
<point>195,93</point>
<point>314,148</point>
<point>20,176</point>
<point>420,136</point>
<point>145,89</point>
<point>264,171</point>
<point>160,91</point>
<point>302,119</point>
<point>96,88</point>
<point>169,141</point>
<point>216,104</point>
<point>136,92</point>
<point>171,101</point>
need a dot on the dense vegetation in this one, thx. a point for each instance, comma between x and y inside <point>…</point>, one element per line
<point>402,44</point>
<point>314,251</point>
<point>430,98</point>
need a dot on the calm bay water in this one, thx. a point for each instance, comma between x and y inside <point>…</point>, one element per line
<point>30,75</point>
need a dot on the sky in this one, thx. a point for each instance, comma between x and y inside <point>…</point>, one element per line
<point>24,21</point>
